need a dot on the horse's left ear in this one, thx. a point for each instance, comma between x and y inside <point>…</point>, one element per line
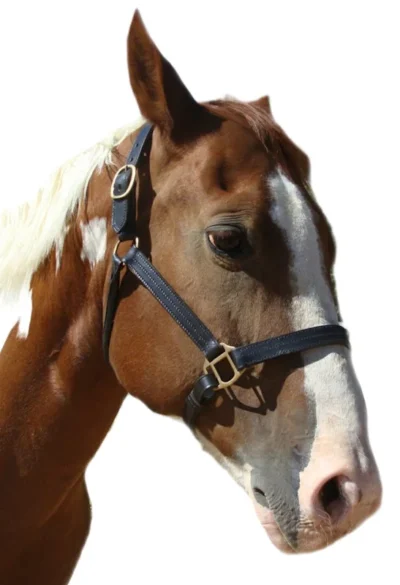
<point>162,97</point>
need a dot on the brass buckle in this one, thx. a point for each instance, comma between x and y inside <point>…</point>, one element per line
<point>127,190</point>
<point>225,355</point>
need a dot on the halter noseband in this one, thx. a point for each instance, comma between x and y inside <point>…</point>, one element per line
<point>238,359</point>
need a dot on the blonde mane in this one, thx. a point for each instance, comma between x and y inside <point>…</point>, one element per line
<point>42,222</point>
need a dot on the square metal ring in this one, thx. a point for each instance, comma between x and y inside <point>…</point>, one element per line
<point>211,365</point>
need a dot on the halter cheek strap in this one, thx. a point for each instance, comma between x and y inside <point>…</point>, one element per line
<point>123,188</point>
<point>123,221</point>
<point>235,360</point>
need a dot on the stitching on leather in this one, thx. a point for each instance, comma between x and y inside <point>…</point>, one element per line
<point>185,321</point>
<point>284,345</point>
<point>118,227</point>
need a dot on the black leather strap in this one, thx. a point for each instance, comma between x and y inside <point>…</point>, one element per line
<point>204,391</point>
<point>137,263</point>
<point>298,341</point>
<point>123,217</point>
<point>138,146</point>
<point>202,394</point>
<point>112,303</point>
<point>243,357</point>
<point>123,221</point>
<point>124,186</point>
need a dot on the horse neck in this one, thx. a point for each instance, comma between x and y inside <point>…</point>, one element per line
<point>58,395</point>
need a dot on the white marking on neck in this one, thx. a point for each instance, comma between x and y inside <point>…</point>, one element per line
<point>329,378</point>
<point>16,312</point>
<point>94,240</point>
<point>59,245</point>
<point>24,320</point>
<point>42,220</point>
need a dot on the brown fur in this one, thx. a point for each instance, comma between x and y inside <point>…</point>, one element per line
<point>58,396</point>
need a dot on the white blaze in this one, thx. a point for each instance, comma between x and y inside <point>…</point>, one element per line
<point>313,303</point>
<point>329,379</point>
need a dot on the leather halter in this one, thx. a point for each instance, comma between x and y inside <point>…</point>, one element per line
<point>235,359</point>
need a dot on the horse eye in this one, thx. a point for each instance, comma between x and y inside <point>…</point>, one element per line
<point>227,240</point>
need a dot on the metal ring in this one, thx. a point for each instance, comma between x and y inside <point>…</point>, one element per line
<point>116,248</point>
<point>136,244</point>
<point>212,365</point>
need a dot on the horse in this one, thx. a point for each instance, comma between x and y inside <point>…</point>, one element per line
<point>219,203</point>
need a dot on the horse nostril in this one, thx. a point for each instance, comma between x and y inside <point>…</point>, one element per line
<point>258,491</point>
<point>259,496</point>
<point>330,496</point>
<point>337,496</point>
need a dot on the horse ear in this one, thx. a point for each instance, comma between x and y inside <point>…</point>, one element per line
<point>264,104</point>
<point>162,97</point>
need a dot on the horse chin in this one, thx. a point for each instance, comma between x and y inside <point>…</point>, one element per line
<point>309,537</point>
<point>268,522</point>
<point>306,540</point>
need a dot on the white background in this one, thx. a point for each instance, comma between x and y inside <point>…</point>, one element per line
<point>163,510</point>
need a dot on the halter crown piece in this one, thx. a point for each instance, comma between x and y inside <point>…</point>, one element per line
<point>234,359</point>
